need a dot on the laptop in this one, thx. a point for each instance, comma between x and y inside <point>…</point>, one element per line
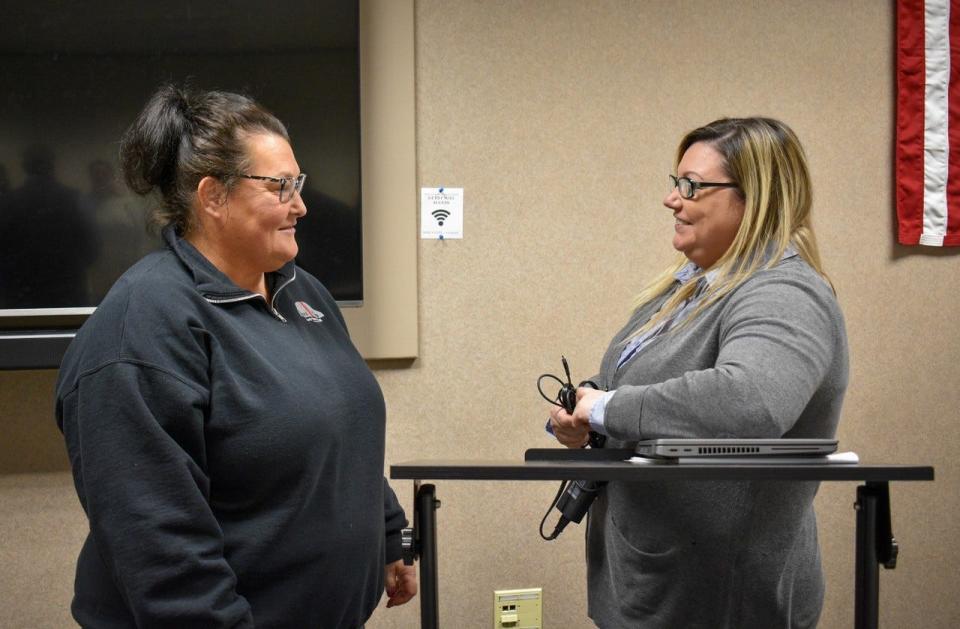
<point>733,448</point>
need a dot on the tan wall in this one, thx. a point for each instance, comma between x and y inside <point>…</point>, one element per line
<point>560,119</point>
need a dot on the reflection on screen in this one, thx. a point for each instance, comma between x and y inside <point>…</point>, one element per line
<point>75,76</point>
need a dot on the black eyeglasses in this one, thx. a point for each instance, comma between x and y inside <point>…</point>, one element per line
<point>288,185</point>
<point>688,187</point>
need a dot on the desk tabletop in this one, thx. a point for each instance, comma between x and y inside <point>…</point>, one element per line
<point>557,464</point>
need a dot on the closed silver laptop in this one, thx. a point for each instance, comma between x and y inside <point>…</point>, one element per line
<point>713,448</point>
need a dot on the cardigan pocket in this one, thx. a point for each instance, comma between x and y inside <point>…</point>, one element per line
<point>641,579</point>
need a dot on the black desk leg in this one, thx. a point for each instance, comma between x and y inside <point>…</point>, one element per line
<point>875,545</point>
<point>425,527</point>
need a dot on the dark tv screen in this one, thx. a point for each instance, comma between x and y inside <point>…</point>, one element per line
<point>75,75</point>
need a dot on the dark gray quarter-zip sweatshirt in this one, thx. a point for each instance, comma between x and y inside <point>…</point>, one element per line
<point>228,453</point>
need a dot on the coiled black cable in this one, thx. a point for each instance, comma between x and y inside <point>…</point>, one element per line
<point>567,400</point>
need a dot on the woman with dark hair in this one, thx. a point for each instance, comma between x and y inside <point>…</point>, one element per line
<point>742,336</point>
<point>226,438</point>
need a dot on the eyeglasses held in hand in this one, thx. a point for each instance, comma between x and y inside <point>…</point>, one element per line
<point>688,187</point>
<point>288,185</point>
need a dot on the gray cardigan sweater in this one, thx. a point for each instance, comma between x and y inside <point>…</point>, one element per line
<point>767,360</point>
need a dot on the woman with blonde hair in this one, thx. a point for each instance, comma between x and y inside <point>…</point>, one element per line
<point>741,337</point>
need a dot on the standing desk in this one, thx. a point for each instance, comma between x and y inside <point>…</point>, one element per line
<point>875,544</point>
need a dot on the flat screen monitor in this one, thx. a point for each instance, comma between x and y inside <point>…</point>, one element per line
<point>76,74</point>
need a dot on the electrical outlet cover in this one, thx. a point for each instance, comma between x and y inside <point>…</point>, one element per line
<point>518,609</point>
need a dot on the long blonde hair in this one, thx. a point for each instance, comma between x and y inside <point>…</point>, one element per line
<point>765,159</point>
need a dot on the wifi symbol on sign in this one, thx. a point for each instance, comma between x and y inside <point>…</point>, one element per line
<point>440,215</point>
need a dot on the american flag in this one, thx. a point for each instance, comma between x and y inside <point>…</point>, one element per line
<point>928,122</point>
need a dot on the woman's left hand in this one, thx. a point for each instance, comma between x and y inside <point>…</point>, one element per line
<point>586,398</point>
<point>400,583</point>
<point>573,430</point>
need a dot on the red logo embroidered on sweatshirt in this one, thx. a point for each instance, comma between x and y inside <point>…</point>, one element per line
<point>308,312</point>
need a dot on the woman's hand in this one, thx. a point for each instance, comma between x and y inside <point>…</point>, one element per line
<point>400,583</point>
<point>573,430</point>
<point>586,398</point>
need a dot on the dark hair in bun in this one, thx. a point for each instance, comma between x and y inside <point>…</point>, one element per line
<point>182,136</point>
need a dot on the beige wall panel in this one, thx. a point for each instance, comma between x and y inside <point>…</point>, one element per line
<point>41,531</point>
<point>560,119</point>
<point>385,326</point>
<point>30,441</point>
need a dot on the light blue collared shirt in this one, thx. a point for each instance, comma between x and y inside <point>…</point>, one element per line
<point>636,345</point>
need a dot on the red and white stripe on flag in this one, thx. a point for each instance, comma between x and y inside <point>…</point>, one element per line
<point>928,122</point>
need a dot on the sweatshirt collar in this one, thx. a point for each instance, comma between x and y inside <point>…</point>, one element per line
<point>210,281</point>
